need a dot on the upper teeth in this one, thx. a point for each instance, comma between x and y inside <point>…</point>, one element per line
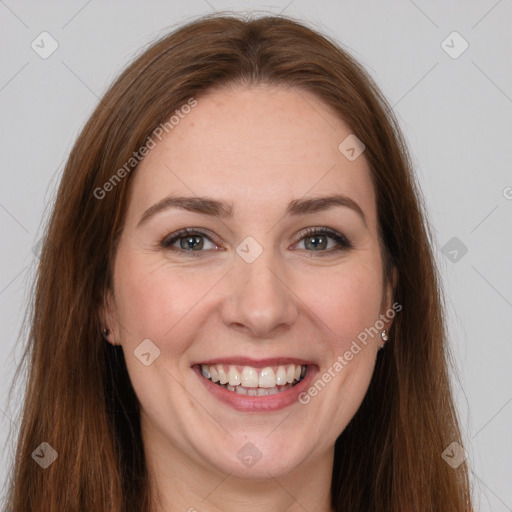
<point>250,377</point>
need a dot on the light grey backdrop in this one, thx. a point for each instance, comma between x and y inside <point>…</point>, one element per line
<point>455,107</point>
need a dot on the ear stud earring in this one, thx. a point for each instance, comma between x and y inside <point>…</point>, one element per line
<point>385,337</point>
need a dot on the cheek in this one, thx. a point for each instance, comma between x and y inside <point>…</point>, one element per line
<point>153,299</point>
<point>345,300</point>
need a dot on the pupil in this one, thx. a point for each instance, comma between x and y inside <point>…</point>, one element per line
<point>192,242</point>
<point>315,241</point>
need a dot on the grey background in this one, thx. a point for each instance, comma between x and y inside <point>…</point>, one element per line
<point>457,119</point>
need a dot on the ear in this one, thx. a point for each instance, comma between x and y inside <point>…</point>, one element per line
<point>108,318</point>
<point>387,300</point>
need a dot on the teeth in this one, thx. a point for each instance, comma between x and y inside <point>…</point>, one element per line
<point>252,381</point>
<point>249,377</point>
<point>214,374</point>
<point>223,378</point>
<point>281,376</point>
<point>233,376</point>
<point>268,378</point>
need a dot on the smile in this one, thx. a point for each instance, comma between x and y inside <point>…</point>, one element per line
<point>256,385</point>
<point>250,381</point>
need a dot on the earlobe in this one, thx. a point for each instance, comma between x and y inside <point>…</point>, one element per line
<point>108,324</point>
<point>106,334</point>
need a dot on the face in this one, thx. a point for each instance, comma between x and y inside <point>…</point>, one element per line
<point>266,292</point>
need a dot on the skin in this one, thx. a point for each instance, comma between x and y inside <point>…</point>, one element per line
<point>257,148</point>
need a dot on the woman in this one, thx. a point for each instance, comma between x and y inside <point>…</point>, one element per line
<point>237,305</point>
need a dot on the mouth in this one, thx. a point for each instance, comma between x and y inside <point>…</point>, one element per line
<point>249,385</point>
<point>251,381</point>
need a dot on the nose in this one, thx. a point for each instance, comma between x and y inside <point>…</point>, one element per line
<point>259,301</point>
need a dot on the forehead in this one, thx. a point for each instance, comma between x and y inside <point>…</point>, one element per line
<point>258,148</point>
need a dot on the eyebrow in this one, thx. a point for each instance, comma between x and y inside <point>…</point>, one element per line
<point>215,208</point>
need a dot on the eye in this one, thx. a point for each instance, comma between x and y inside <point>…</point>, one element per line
<point>188,240</point>
<point>192,241</point>
<point>317,240</point>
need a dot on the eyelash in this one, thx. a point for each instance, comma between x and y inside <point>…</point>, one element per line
<point>343,242</point>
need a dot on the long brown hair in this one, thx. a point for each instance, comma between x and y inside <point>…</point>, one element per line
<point>79,398</point>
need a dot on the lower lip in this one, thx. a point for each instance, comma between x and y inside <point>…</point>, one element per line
<point>268,403</point>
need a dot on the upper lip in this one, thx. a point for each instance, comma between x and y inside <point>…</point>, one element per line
<point>255,363</point>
